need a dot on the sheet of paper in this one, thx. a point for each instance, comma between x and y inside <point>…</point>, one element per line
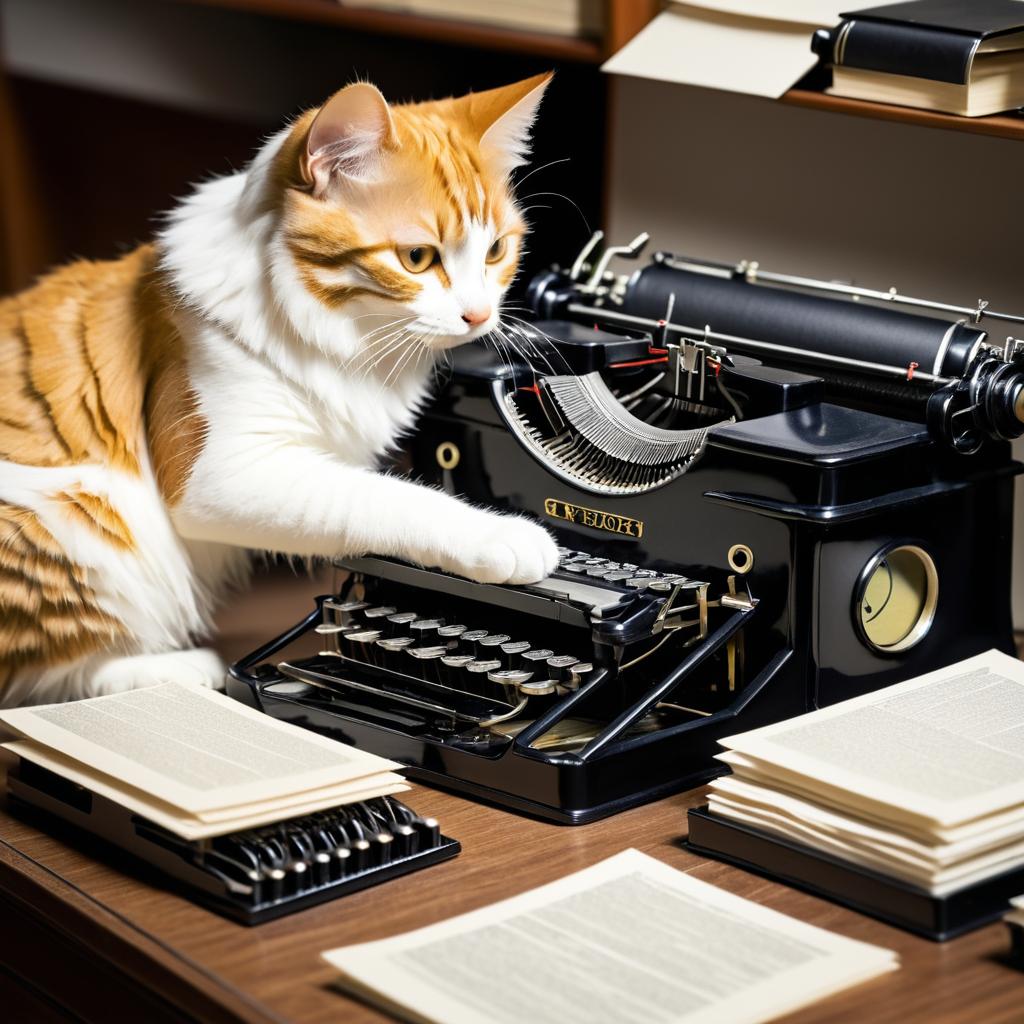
<point>947,747</point>
<point>934,879</point>
<point>193,748</point>
<point>876,836</point>
<point>762,48</point>
<point>627,941</point>
<point>191,827</point>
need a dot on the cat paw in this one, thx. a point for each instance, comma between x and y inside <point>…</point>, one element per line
<point>196,667</point>
<point>505,549</point>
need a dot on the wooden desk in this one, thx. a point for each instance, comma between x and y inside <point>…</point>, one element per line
<point>87,938</point>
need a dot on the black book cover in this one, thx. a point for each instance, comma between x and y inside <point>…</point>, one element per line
<point>934,39</point>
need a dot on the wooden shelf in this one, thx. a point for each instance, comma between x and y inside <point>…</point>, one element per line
<point>1002,126</point>
<point>443,30</point>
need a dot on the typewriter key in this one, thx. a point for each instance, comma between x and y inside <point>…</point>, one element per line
<point>428,661</point>
<point>598,571</point>
<point>577,676</point>
<point>395,625</point>
<point>493,640</point>
<point>574,567</point>
<point>344,611</point>
<point>332,630</point>
<point>537,688</point>
<point>660,586</point>
<point>381,612</point>
<point>531,659</point>
<point>487,665</point>
<point>559,666</point>
<point>470,639</point>
<point>449,635</point>
<point>453,669</point>
<point>427,653</point>
<point>510,677</point>
<point>457,660</point>
<point>512,651</point>
<point>360,646</point>
<point>617,574</point>
<point>391,652</point>
<point>422,628</point>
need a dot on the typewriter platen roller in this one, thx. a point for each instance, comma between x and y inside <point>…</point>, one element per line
<point>772,494</point>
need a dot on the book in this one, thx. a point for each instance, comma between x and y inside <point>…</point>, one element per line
<point>627,939</point>
<point>195,761</point>
<point>558,17</point>
<point>922,781</point>
<point>965,59</point>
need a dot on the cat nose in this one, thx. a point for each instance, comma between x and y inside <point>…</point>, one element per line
<point>474,317</point>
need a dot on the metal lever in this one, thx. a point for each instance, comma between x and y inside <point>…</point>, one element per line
<point>581,261</point>
<point>630,251</point>
<point>325,681</point>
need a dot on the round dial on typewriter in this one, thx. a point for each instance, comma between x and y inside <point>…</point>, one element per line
<point>896,598</point>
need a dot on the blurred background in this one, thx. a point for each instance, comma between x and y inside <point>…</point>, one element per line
<point>110,108</point>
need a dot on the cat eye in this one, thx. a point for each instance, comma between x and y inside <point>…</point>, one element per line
<point>417,258</point>
<point>498,249</point>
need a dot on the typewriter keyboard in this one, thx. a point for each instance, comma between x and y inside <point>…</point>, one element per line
<point>456,655</point>
<point>625,575</point>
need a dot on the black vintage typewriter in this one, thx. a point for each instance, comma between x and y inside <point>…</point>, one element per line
<point>772,494</point>
<point>251,875</point>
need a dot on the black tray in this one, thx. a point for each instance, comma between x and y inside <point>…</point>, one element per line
<point>890,900</point>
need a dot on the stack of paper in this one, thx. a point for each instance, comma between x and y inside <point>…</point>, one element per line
<point>627,940</point>
<point>922,781</point>
<point>194,761</point>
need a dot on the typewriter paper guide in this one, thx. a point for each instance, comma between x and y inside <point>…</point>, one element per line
<point>629,938</point>
<point>761,48</point>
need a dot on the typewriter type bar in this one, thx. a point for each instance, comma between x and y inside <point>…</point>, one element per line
<point>527,696</point>
<point>253,875</point>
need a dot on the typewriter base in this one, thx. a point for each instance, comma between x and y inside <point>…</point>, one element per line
<point>561,816</point>
<point>868,892</point>
<point>559,788</point>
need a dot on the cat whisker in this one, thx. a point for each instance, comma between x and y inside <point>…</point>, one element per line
<point>559,195</point>
<point>550,163</point>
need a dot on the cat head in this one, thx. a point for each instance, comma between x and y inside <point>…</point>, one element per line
<point>400,219</point>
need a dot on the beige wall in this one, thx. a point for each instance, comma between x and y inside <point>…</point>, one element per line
<point>725,176</point>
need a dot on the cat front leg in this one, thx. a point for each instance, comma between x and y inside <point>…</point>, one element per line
<point>301,501</point>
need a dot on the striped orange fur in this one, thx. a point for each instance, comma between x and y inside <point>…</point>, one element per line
<point>97,375</point>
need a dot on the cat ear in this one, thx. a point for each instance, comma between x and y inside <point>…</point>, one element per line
<point>347,137</point>
<point>503,118</point>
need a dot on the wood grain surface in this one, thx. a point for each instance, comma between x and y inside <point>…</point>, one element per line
<point>191,964</point>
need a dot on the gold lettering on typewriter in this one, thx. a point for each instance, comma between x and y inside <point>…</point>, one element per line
<point>594,518</point>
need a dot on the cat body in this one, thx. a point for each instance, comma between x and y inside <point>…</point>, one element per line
<point>234,386</point>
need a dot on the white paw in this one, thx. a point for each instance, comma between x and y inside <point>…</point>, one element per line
<point>504,549</point>
<point>196,667</point>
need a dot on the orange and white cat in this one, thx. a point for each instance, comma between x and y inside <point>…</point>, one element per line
<point>233,386</point>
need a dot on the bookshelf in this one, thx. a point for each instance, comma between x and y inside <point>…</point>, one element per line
<point>1002,126</point>
<point>624,18</point>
